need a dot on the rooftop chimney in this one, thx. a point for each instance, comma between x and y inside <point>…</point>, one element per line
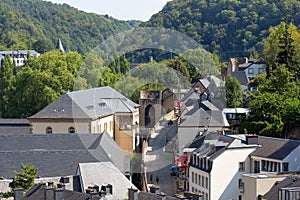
<point>154,189</point>
<point>132,194</point>
<point>162,195</point>
<point>49,193</point>
<point>18,193</point>
<point>251,139</point>
<point>61,186</point>
<point>50,184</point>
<point>59,194</point>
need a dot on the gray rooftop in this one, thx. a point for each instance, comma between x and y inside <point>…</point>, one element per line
<point>37,192</point>
<point>275,148</point>
<point>104,173</point>
<point>241,77</point>
<point>14,126</point>
<point>288,182</point>
<point>202,118</point>
<point>57,154</point>
<point>87,104</point>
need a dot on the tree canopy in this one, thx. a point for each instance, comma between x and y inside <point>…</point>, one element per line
<point>37,24</point>
<point>274,107</point>
<point>228,28</point>
<point>234,93</point>
<point>23,179</point>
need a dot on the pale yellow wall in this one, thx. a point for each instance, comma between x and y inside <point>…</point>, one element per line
<point>254,186</point>
<point>59,127</point>
<point>97,126</point>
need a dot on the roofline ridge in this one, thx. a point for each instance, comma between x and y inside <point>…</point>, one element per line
<point>282,139</point>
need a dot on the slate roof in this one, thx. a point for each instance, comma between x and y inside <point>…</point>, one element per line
<point>37,191</point>
<point>289,182</point>
<point>275,148</point>
<point>63,108</point>
<point>57,154</point>
<point>87,104</point>
<point>241,77</point>
<point>202,118</point>
<point>14,126</point>
<point>199,139</point>
<point>104,173</point>
<point>204,82</point>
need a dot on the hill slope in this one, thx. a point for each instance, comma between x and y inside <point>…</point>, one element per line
<point>36,24</point>
<point>227,27</point>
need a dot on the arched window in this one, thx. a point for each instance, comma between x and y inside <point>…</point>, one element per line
<point>48,130</point>
<point>71,130</point>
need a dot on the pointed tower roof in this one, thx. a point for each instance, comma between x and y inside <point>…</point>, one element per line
<point>60,46</point>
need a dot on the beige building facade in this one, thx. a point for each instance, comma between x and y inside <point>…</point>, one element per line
<point>258,184</point>
<point>95,110</point>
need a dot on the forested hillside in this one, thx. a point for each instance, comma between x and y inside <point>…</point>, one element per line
<point>37,24</point>
<point>230,28</point>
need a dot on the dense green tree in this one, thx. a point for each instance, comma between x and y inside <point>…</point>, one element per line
<point>120,65</point>
<point>228,28</point>
<point>274,107</point>
<point>200,63</point>
<point>268,105</point>
<point>23,179</point>
<point>7,85</point>
<point>283,47</point>
<point>180,66</point>
<point>89,72</point>
<point>108,78</point>
<point>42,80</point>
<point>234,93</point>
<point>291,115</point>
<point>38,24</point>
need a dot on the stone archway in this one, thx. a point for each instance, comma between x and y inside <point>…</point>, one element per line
<point>153,105</point>
<point>149,116</point>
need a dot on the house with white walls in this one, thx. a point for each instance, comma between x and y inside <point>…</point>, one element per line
<point>222,165</point>
<point>19,56</point>
<point>217,166</point>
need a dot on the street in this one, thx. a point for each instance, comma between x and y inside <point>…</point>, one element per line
<point>159,157</point>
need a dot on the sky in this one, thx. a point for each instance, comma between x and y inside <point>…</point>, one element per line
<point>119,9</point>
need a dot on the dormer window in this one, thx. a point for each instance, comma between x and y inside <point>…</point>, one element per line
<point>102,104</point>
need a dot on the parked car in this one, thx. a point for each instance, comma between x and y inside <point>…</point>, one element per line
<point>174,170</point>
